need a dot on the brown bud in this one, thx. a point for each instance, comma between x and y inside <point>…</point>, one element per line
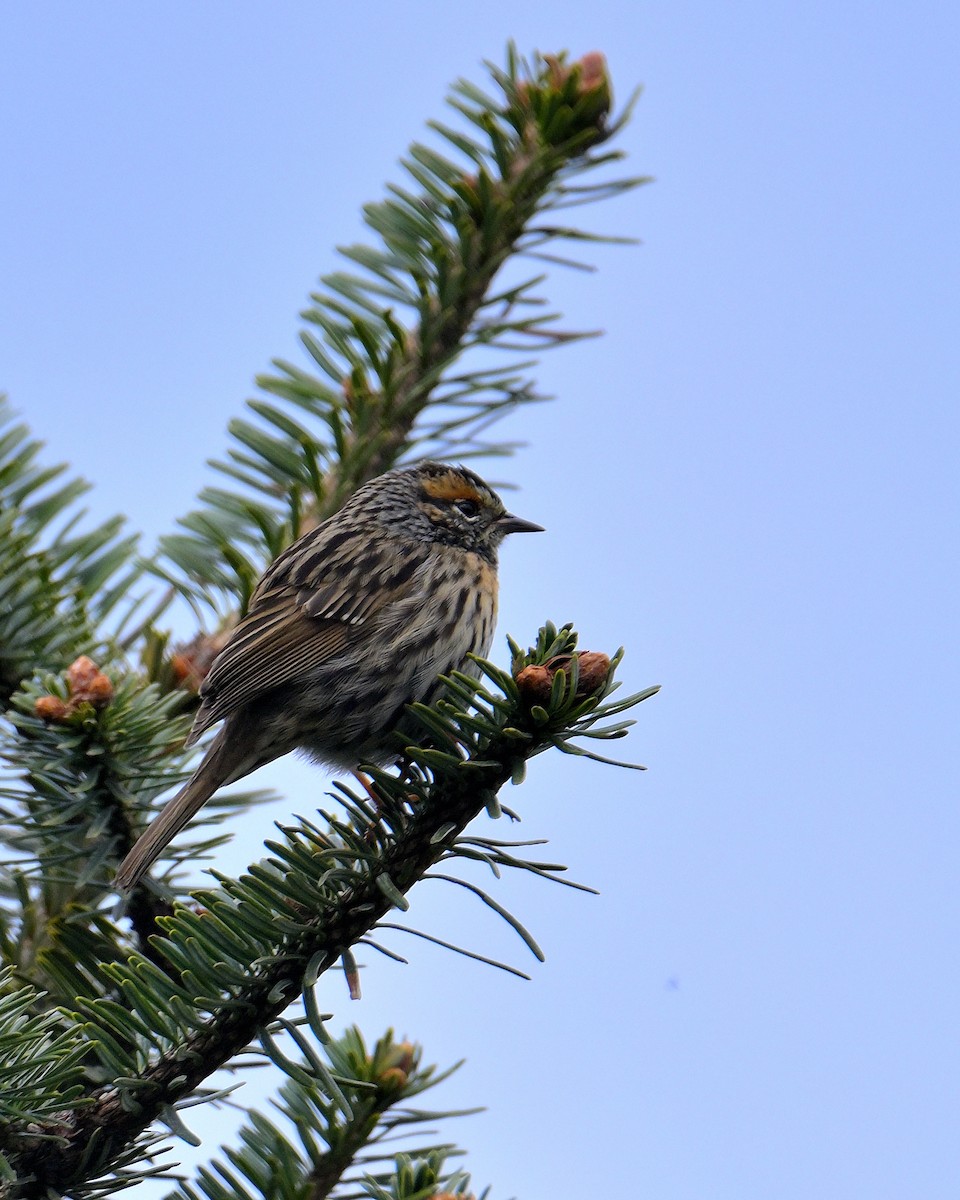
<point>536,681</point>
<point>50,708</point>
<point>593,71</point>
<point>87,684</point>
<point>99,691</point>
<point>534,684</point>
<point>81,673</point>
<point>592,85</point>
<point>182,669</point>
<point>191,661</point>
<point>593,666</point>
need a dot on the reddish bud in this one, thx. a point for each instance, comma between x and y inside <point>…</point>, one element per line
<point>50,708</point>
<point>534,684</point>
<point>593,71</point>
<point>594,666</point>
<point>191,662</point>
<point>99,691</point>
<point>182,669</point>
<point>81,673</point>
<point>536,681</point>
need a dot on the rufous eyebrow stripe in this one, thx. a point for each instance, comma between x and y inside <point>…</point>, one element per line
<point>451,486</point>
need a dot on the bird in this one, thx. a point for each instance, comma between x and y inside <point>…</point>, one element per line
<point>351,624</point>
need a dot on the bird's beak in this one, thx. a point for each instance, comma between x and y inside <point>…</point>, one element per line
<point>508,523</point>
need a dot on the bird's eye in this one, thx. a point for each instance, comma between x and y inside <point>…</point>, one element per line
<point>469,508</point>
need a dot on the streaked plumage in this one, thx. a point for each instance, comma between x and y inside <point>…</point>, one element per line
<point>349,625</point>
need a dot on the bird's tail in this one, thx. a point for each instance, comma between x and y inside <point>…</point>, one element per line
<point>213,772</point>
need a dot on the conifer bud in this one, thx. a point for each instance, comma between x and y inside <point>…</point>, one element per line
<point>50,708</point>
<point>536,680</point>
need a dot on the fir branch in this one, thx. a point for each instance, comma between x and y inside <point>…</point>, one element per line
<point>334,1151</point>
<point>53,575</point>
<point>387,336</point>
<point>92,753</point>
<point>134,1040</point>
<point>240,960</point>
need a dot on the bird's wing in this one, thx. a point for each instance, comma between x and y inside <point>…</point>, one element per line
<point>310,606</point>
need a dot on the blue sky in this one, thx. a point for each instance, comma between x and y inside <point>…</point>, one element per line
<point>750,482</point>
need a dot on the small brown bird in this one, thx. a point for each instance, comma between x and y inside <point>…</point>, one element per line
<point>349,625</point>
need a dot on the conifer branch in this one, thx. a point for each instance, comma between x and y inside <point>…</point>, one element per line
<point>58,582</point>
<point>342,1143</point>
<point>322,892</point>
<point>99,1046</point>
<point>387,335</point>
